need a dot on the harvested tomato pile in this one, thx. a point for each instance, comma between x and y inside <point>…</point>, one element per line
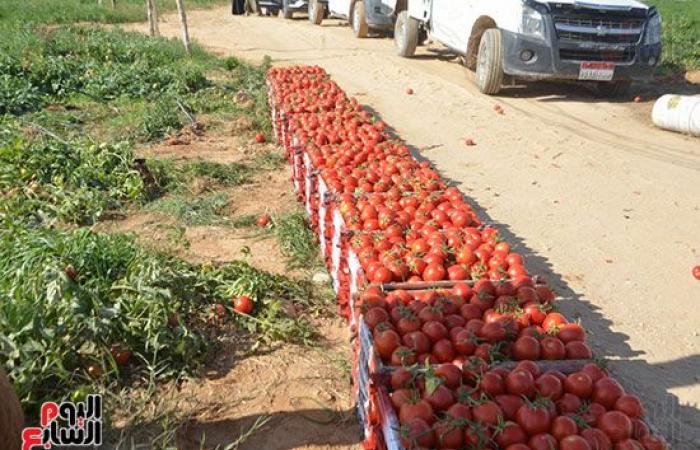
<point>440,306</point>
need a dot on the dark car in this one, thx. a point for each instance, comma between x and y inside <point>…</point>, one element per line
<point>269,7</point>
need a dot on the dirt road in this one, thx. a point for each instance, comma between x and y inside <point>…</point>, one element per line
<point>601,202</point>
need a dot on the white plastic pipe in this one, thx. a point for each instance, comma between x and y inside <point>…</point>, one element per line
<point>678,113</point>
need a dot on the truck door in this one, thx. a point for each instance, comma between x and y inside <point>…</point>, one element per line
<point>451,24</point>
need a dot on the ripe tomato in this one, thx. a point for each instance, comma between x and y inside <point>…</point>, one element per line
<point>574,443</point>
<point>696,272</point>
<point>553,320</point>
<point>374,316</point>
<point>629,444</point>
<point>120,354</point>
<point>630,405</point>
<point>594,371</point>
<point>597,439</point>
<point>440,399</point>
<point>403,356</point>
<point>550,387</point>
<point>606,391</point>
<point>639,429</point>
<point>526,347</point>
<point>259,138</point>
<point>447,435</point>
<point>457,272</point>
<point>417,432</point>
<point>459,411</point>
<point>435,330</point>
<point>94,371</point>
<point>487,413</point>
<point>563,426</point>
<point>450,374</point>
<point>263,220</point>
<point>401,378</point>
<point>401,397</point>
<point>520,382</point>
<point>552,348</point>
<point>509,404</point>
<point>534,420</point>
<point>570,332</point>
<point>530,366</point>
<point>543,441</point>
<point>434,272</point>
<point>511,433</point>
<point>579,384</point>
<point>71,272</point>
<point>381,275</point>
<point>616,425</point>
<point>386,342</point>
<point>420,409</point>
<point>651,442</point>
<point>578,350</point>
<point>492,383</point>
<point>417,341</point>
<point>568,403</point>
<point>444,351</point>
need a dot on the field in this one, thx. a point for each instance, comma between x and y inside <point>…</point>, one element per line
<point>681,34</point>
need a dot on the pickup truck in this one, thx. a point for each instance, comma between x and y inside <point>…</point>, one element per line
<point>605,42</point>
<point>364,16</point>
<point>270,7</point>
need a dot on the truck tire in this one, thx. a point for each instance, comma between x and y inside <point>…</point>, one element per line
<point>489,62</point>
<point>609,89</point>
<point>287,12</point>
<point>316,12</point>
<point>405,35</point>
<point>359,19</point>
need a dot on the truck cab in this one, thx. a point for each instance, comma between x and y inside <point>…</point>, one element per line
<point>364,16</point>
<point>606,42</point>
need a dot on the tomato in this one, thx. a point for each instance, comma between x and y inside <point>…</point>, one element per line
<point>259,138</point>
<point>417,341</point>
<point>381,275</point>
<point>430,314</point>
<point>597,439</point>
<point>518,447</point>
<point>420,409</point>
<point>606,391</point>
<point>462,290</point>
<point>510,434</point>
<point>440,399</point>
<point>417,433</point>
<point>403,356</point>
<point>450,374</point>
<point>120,354</point>
<point>630,405</point>
<point>457,272</point>
<point>373,317</point>
<point>549,386</point>
<point>448,435</point>
<point>401,378</point>
<point>401,397</point>
<point>464,343</point>
<point>579,384</point>
<point>616,425</point>
<point>543,441</point>
<point>592,413</point>
<point>453,321</point>
<point>535,312</point>
<point>435,331</point>
<point>696,272</point>
<point>495,331</point>
<point>459,411</point>
<point>434,272</point>
<point>553,320</point>
<point>570,332</point>
<point>578,350</point>
<point>487,413</point>
<point>574,443</point>
<point>408,323</point>
<point>639,429</point>
<point>509,404</point>
<point>444,351</point>
<point>386,342</point>
<point>563,426</point>
<point>629,444</point>
<point>552,348</point>
<point>530,366</point>
<point>526,347</point>
<point>71,272</point>
<point>534,420</point>
<point>568,403</point>
<point>520,382</point>
<point>492,383</point>
<point>651,442</point>
<point>94,371</point>
<point>594,371</point>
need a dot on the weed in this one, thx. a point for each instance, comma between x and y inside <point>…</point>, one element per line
<point>200,210</point>
<point>269,161</point>
<point>296,240</point>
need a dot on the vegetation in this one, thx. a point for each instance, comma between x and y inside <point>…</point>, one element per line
<point>297,240</point>
<point>681,34</point>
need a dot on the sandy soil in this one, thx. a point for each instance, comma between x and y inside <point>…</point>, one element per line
<point>605,205</point>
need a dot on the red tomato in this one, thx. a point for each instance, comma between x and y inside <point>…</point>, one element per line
<point>447,435</point>
<point>574,443</point>
<point>616,425</point>
<point>417,341</point>
<point>630,405</point>
<point>487,413</point>
<point>401,378</point>
<point>459,411</point>
<point>120,354</point>
<point>457,272</point>
<point>579,384</point>
<point>594,371</point>
<point>606,391</point>
<point>444,351</point>
<point>553,320</point>
<point>552,348</point>
<point>420,409</point>
<point>263,220</point>
<point>402,397</point>
<point>563,426</point>
<point>520,382</point>
<point>375,316</point>
<point>651,442</point>
<point>526,347</point>
<point>510,434</point>
<point>597,439</point>
<point>386,342</point>
<point>243,304</point>
<point>259,138</point>
<point>534,420</point>
<point>492,383</point>
<point>568,403</point>
<point>639,429</point>
<point>434,272</point>
<point>417,431</point>
<point>549,386</point>
<point>543,441</point>
<point>440,399</point>
<point>629,444</point>
<point>435,330</point>
<point>569,332</point>
<point>696,272</point>
<point>530,366</point>
<point>450,374</point>
<point>578,350</point>
<point>509,404</point>
<point>403,356</point>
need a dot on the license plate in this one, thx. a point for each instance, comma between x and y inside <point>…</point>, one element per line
<point>599,71</point>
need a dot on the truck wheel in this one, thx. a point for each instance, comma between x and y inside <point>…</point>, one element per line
<point>359,20</point>
<point>489,63</point>
<point>287,13</point>
<point>607,89</point>
<point>405,35</point>
<point>316,12</point>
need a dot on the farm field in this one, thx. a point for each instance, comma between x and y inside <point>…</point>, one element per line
<point>154,250</point>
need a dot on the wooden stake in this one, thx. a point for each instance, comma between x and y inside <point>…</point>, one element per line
<point>183,24</point>
<point>152,18</point>
<point>114,4</point>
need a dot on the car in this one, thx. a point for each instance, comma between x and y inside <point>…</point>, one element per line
<point>607,43</point>
<point>365,16</point>
<point>269,7</point>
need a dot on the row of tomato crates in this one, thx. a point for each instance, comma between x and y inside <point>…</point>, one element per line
<point>431,341</point>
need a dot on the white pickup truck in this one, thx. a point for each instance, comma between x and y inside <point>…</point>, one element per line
<point>606,42</point>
